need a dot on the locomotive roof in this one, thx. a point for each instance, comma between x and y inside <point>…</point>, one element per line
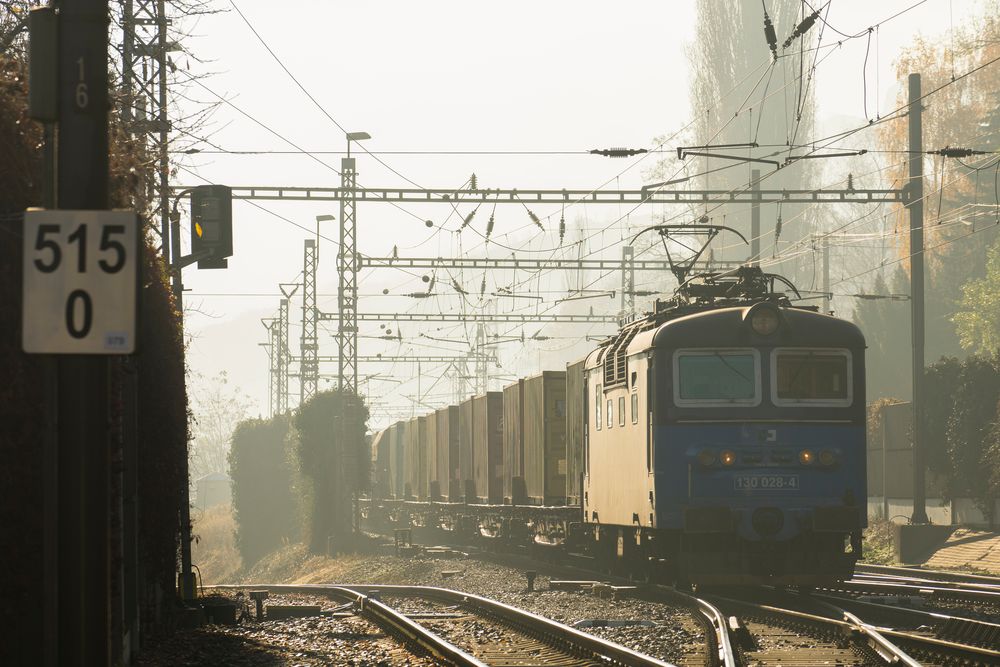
<point>729,326</point>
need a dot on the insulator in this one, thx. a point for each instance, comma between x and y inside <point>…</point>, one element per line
<point>489,228</point>
<point>395,252</point>
<point>482,286</point>
<point>430,285</point>
<point>458,288</point>
<point>562,229</point>
<point>473,183</point>
<point>618,151</point>
<point>850,182</point>
<point>772,39</point>
<point>534,219</point>
<point>801,29</point>
<point>468,219</point>
<point>948,151</point>
<point>777,230</point>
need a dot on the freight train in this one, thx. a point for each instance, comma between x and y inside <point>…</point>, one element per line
<point>719,439</point>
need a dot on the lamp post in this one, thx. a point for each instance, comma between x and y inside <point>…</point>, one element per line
<point>347,269</point>
<point>319,219</point>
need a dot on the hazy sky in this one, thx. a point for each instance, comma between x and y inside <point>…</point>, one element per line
<point>459,76</point>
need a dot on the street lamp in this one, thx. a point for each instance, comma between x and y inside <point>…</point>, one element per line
<point>319,219</point>
<point>355,136</point>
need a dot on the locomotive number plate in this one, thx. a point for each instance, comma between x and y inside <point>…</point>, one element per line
<point>766,482</point>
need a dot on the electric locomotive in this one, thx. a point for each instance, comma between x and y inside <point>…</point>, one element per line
<point>725,439</point>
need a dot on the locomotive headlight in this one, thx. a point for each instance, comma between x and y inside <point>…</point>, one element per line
<point>806,457</point>
<point>727,457</point>
<point>764,321</point>
<point>706,457</point>
<point>827,458</point>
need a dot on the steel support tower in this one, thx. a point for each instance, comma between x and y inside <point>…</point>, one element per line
<point>274,358</point>
<point>309,345</point>
<point>144,79</point>
<point>628,280</point>
<point>284,353</point>
<point>281,354</point>
<point>347,271</point>
<point>482,377</point>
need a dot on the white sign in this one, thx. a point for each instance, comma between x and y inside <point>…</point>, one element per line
<point>80,282</point>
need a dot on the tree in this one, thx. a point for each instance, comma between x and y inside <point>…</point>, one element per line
<point>265,503</point>
<point>334,462</point>
<point>978,318</point>
<point>973,415</point>
<point>735,99</point>
<point>886,326</point>
<point>962,114</point>
<point>216,408</point>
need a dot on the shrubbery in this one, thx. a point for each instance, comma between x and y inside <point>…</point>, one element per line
<point>295,476</point>
<point>334,463</point>
<point>264,498</point>
<point>961,427</point>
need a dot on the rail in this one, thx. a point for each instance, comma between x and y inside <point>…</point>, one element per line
<point>526,621</point>
<point>394,623</point>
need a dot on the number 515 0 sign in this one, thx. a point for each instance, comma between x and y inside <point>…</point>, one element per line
<point>80,282</point>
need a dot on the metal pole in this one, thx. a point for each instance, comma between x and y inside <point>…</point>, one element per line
<point>186,580</point>
<point>826,275</point>
<point>163,165</point>
<point>755,216</point>
<point>628,281</point>
<point>347,271</point>
<point>84,456</point>
<point>914,198</point>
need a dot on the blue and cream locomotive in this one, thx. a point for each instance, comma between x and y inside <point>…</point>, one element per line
<point>745,419</point>
<point>718,439</point>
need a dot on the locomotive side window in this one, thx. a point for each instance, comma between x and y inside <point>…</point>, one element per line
<point>611,413</point>
<point>621,410</point>
<point>811,377</point>
<point>704,378</point>
<point>635,408</point>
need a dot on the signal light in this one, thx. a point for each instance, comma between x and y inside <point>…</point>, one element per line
<point>706,457</point>
<point>806,457</point>
<point>212,225</point>
<point>827,458</point>
<point>727,457</point>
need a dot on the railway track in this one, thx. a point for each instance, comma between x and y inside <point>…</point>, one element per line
<point>948,591</point>
<point>851,632</point>
<point>471,631</point>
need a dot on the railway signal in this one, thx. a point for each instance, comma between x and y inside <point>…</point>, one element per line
<point>212,225</point>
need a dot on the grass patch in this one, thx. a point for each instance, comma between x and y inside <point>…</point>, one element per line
<point>214,550</point>
<point>877,543</point>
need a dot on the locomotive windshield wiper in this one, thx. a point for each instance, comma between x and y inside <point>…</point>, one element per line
<point>733,368</point>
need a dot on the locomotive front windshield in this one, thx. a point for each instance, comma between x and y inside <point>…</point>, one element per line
<point>811,376</point>
<point>717,377</point>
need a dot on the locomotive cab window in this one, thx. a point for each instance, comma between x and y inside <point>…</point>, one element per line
<point>707,378</point>
<point>820,377</point>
